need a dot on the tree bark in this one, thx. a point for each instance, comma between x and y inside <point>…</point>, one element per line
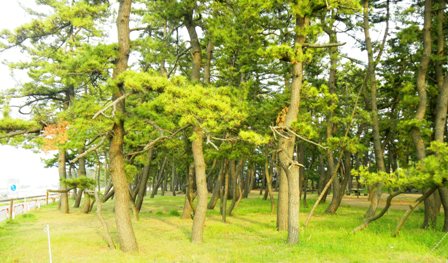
<point>201,185</point>
<point>224,193</point>
<point>286,145</point>
<point>379,215</point>
<point>173,177</point>
<point>81,172</point>
<point>107,236</point>
<point>375,190</point>
<point>269,185</point>
<point>195,46</point>
<point>323,179</point>
<point>158,179</point>
<point>411,209</point>
<point>125,230</point>
<point>141,188</point>
<point>237,188</point>
<point>86,206</point>
<point>208,64</point>
<point>338,194</point>
<point>249,180</point>
<point>188,204</point>
<point>423,101</point>
<point>218,185</point>
<point>442,102</point>
<point>62,176</point>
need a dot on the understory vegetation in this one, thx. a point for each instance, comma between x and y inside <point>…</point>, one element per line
<point>248,236</point>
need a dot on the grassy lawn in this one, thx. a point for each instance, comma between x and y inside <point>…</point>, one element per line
<point>248,236</point>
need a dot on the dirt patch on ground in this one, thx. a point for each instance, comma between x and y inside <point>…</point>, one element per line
<point>401,202</point>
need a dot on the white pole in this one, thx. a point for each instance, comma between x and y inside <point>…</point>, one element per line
<point>47,229</point>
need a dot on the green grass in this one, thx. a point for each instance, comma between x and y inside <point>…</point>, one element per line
<point>248,236</point>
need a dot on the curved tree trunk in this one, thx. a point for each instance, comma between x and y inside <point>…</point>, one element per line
<point>380,214</point>
<point>411,209</point>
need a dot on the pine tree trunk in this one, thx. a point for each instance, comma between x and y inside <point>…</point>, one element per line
<point>286,145</point>
<point>125,230</point>
<point>173,178</point>
<point>86,204</point>
<point>339,193</point>
<point>224,193</point>
<point>423,101</point>
<point>249,180</point>
<point>238,193</point>
<point>208,64</point>
<point>189,193</point>
<point>195,46</point>
<point>442,101</point>
<point>201,185</point>
<point>81,172</point>
<point>62,176</point>
<point>269,184</point>
<point>218,185</point>
<point>375,190</point>
<point>141,187</point>
<point>323,179</point>
<point>282,202</point>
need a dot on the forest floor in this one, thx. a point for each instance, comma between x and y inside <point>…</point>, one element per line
<point>248,236</point>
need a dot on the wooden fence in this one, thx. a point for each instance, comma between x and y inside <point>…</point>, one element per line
<point>10,208</point>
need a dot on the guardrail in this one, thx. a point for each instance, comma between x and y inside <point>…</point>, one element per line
<point>10,208</point>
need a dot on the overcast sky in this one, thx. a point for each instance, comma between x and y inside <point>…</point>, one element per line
<point>18,166</point>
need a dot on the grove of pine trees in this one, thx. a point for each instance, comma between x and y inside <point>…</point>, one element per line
<point>214,98</point>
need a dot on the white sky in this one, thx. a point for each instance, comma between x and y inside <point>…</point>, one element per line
<point>19,166</point>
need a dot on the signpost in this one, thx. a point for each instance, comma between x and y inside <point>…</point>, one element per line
<point>13,188</point>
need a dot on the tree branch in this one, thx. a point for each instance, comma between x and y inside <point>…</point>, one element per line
<point>16,133</point>
<point>159,139</point>
<point>89,150</point>
<point>108,105</point>
<point>327,45</point>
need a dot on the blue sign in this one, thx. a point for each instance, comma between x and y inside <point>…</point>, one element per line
<point>13,187</point>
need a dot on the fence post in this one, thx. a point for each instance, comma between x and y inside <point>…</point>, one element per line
<point>47,197</point>
<point>11,209</point>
